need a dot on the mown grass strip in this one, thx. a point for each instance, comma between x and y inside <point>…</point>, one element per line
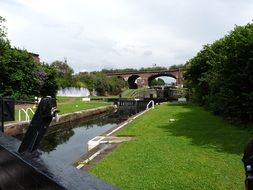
<point>196,151</point>
<point>73,104</point>
<point>65,105</point>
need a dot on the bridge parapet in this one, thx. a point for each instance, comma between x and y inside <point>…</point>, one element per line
<point>138,79</point>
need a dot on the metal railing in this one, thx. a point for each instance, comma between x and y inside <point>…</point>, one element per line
<point>151,102</point>
<point>26,112</point>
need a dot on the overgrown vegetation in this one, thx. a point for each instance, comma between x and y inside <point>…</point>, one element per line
<point>157,82</point>
<point>133,93</point>
<point>20,75</point>
<point>177,66</point>
<point>196,150</point>
<point>63,73</point>
<point>220,76</point>
<point>99,82</point>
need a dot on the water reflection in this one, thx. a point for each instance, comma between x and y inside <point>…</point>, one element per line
<point>69,141</point>
<point>51,141</point>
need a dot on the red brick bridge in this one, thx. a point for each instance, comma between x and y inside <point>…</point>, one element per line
<point>143,78</point>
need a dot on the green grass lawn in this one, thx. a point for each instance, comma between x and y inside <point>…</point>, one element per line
<point>67,105</point>
<point>104,97</point>
<point>196,151</point>
<point>72,104</point>
<point>132,93</point>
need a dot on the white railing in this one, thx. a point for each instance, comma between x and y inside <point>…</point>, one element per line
<point>151,102</point>
<point>26,112</point>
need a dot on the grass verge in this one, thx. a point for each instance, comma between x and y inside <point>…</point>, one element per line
<point>196,151</point>
<point>132,93</point>
<point>65,105</point>
<point>73,104</point>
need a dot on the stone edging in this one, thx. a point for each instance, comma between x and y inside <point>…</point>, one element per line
<point>96,141</point>
<point>20,127</point>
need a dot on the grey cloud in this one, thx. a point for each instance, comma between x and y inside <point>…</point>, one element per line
<point>123,33</point>
<point>129,50</point>
<point>147,53</point>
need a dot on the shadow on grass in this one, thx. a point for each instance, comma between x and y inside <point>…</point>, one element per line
<point>207,130</point>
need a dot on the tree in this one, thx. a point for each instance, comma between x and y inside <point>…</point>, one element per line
<point>220,75</point>
<point>49,86</point>
<point>100,82</point>
<point>2,27</point>
<point>64,74</point>
<point>156,68</point>
<point>177,66</point>
<point>157,82</point>
<point>18,73</point>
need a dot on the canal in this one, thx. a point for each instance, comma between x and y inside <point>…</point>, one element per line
<point>68,142</point>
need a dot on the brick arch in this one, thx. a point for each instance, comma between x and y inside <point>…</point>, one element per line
<point>120,77</point>
<point>160,75</point>
<point>131,81</point>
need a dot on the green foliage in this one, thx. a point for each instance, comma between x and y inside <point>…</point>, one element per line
<point>221,75</point>
<point>2,27</point>
<point>63,74</point>
<point>157,82</point>
<point>177,66</point>
<point>20,75</point>
<point>156,68</point>
<point>101,83</point>
<point>116,85</point>
<point>196,151</point>
<point>49,86</point>
<point>181,92</point>
<point>134,93</point>
<point>118,70</point>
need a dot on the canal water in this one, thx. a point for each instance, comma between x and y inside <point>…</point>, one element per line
<point>68,142</point>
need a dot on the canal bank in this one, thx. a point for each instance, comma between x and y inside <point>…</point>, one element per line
<point>102,145</point>
<point>19,128</point>
<point>69,142</point>
<point>67,139</point>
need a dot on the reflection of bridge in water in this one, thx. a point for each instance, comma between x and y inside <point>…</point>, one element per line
<point>143,78</point>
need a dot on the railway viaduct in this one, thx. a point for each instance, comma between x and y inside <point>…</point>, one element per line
<point>140,79</point>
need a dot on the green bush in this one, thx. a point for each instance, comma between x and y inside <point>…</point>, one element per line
<point>20,75</point>
<point>220,76</point>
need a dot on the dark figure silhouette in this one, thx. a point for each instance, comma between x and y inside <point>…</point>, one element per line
<point>40,122</point>
<point>248,165</point>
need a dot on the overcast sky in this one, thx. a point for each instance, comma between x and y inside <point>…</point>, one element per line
<point>99,34</point>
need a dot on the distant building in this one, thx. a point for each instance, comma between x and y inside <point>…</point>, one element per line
<point>35,56</point>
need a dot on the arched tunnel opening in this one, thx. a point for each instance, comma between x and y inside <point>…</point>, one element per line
<point>163,85</point>
<point>132,81</point>
<point>162,80</point>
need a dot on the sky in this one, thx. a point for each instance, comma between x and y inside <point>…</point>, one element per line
<point>116,34</point>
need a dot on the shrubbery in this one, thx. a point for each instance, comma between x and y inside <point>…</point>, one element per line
<point>220,76</point>
<point>102,84</point>
<point>20,75</point>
